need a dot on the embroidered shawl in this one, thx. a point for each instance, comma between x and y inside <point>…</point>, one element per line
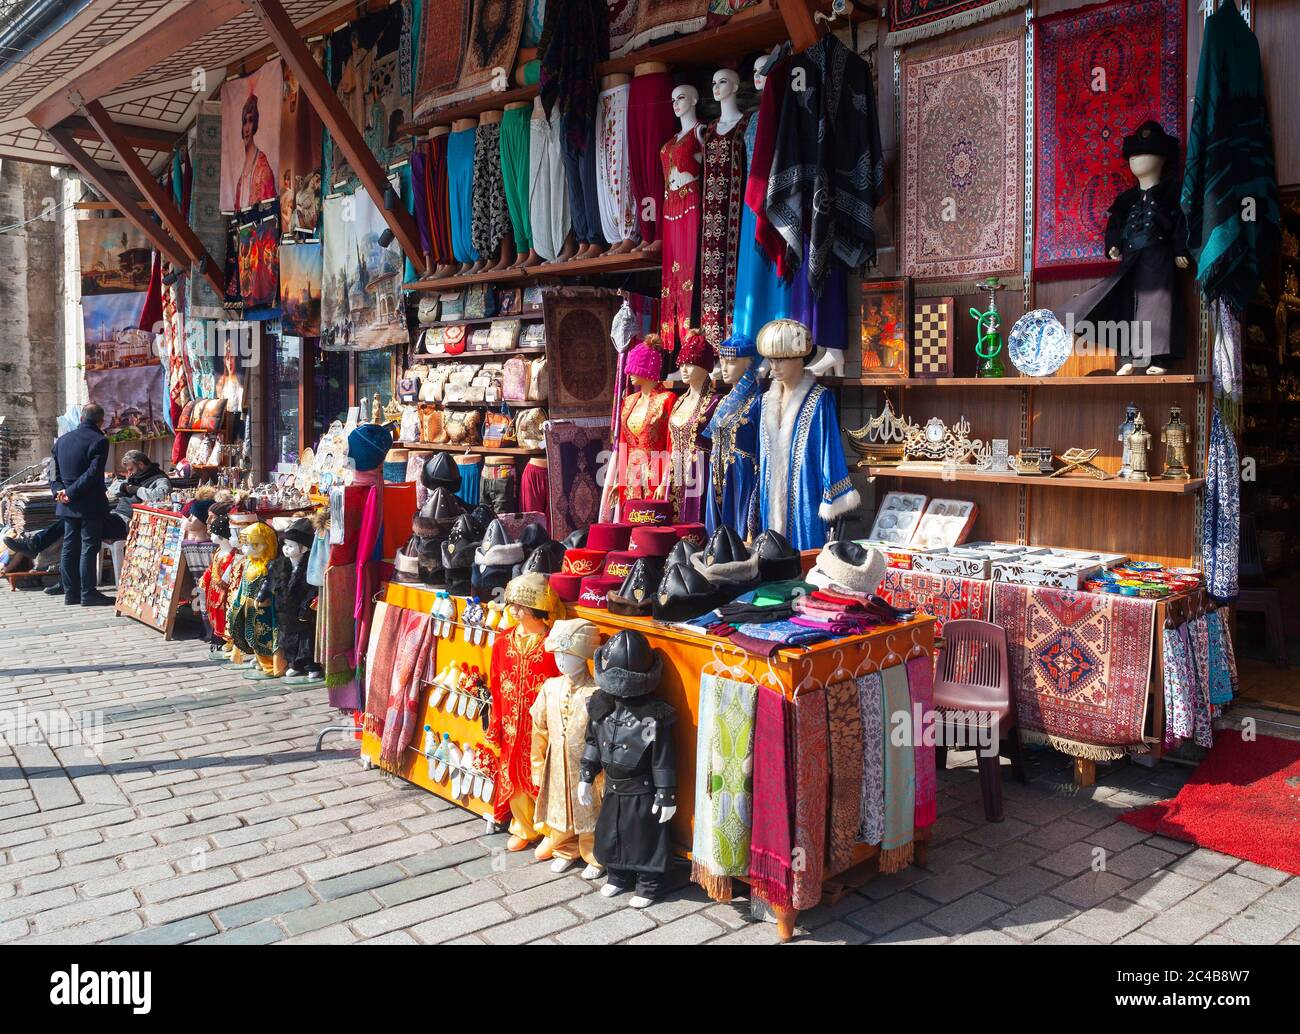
<point>810,752</point>
<point>871,827</point>
<point>705,870</point>
<point>846,774</point>
<point>724,185</point>
<point>414,641</point>
<point>900,772</point>
<point>379,671</point>
<point>730,774</point>
<point>920,685</point>
<point>770,875</point>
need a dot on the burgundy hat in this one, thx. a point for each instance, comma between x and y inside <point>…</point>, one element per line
<point>566,586</point>
<point>595,591</point>
<point>696,534</point>
<point>608,536</point>
<point>696,351</point>
<point>583,562</point>
<point>619,562</point>
<point>647,511</point>
<point>652,541</point>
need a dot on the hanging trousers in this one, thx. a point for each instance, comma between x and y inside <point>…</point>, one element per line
<point>650,121</point>
<point>580,175</point>
<point>460,192</point>
<point>515,140</point>
<point>548,196</point>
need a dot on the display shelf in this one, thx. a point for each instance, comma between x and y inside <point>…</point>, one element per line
<point>477,357</point>
<point>483,321</point>
<point>493,100</point>
<point>603,265</point>
<point>1104,380</point>
<point>1114,484</point>
<point>481,450</point>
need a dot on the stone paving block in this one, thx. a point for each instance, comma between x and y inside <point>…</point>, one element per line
<point>442,858</point>
<point>96,931</point>
<point>1110,921</point>
<point>54,845</point>
<point>1074,859</point>
<point>892,912</point>
<point>1203,865</point>
<point>83,911</point>
<point>126,879</point>
<point>832,933</point>
<point>369,857</point>
<point>678,903</point>
<point>912,933</point>
<point>328,913</point>
<point>1229,894</point>
<point>415,887</point>
<point>339,934</point>
<point>1035,918</point>
<point>993,937</point>
<point>991,835</point>
<point>532,927</point>
<point>1262,873</point>
<point>1260,926</point>
<point>610,929</point>
<point>190,883</point>
<point>691,929</point>
<point>1139,861</point>
<point>1285,897</point>
<point>223,897</point>
<point>965,914</point>
<point>265,932</point>
<point>355,882</point>
<point>1063,936</point>
<point>1090,889</point>
<point>953,882</point>
<point>275,861</point>
<point>66,876</point>
<point>1023,884</point>
<point>458,924</point>
<point>1160,890</point>
<point>422,910</point>
<point>1184,923</point>
<point>182,932</point>
<point>1009,857</point>
<point>30,904</point>
<point>553,893</point>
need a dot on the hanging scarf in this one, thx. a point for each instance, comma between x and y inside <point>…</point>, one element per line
<point>1227,362</point>
<point>335,630</point>
<point>705,869</point>
<point>846,773</point>
<point>760,163</point>
<point>1179,679</point>
<point>404,689</point>
<point>1230,164</point>
<point>900,772</point>
<point>810,780</point>
<point>871,687</point>
<point>731,766</point>
<point>828,164</point>
<point>920,685</point>
<point>770,876</point>
<point>369,541</point>
<point>1199,652</point>
<point>1223,667</point>
<point>1221,519</point>
<point>379,672</point>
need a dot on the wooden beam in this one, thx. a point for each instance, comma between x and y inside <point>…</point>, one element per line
<point>153,192</point>
<point>111,71</point>
<point>347,138</point>
<point>106,184</point>
<point>137,136</point>
<point>799,21</point>
<point>322,25</point>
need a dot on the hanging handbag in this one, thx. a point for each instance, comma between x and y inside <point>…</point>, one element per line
<point>429,309</point>
<point>528,428</point>
<point>452,305</point>
<point>480,302</point>
<point>462,428</point>
<point>431,342</point>
<point>498,428</point>
<point>537,386</point>
<point>432,424</point>
<point>453,340</point>
<point>410,425</point>
<point>504,335</point>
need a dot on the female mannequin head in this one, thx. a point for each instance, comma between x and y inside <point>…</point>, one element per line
<point>726,84</point>
<point>694,377</point>
<point>733,369</point>
<point>685,98</point>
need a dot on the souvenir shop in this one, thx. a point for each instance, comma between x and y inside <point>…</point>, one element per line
<point>673,419</point>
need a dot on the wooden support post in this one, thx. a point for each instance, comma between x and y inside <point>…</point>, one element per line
<point>154,193</point>
<point>104,182</point>
<point>1085,772</point>
<point>799,23</point>
<point>347,138</point>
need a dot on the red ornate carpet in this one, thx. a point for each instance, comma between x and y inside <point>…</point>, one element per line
<point>1099,73</point>
<point>1080,666</point>
<point>943,597</point>
<point>1243,800</point>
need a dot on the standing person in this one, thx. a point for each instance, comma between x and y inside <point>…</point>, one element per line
<point>79,459</point>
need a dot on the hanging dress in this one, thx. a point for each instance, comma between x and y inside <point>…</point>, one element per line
<point>681,236</point>
<point>690,455</point>
<point>724,188</point>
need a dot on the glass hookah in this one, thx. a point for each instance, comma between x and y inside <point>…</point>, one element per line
<point>989,346</point>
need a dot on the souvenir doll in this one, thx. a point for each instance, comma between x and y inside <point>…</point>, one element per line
<point>559,734</point>
<point>295,603</point>
<point>804,481</point>
<point>1147,232</point>
<point>214,586</point>
<point>252,619</point>
<point>691,413</point>
<point>643,432</point>
<point>630,741</point>
<point>732,434</point>
<point>520,664</point>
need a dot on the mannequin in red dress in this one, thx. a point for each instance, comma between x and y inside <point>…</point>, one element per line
<point>644,463</point>
<point>682,158</point>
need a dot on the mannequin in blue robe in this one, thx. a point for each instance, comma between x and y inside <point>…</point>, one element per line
<point>732,433</point>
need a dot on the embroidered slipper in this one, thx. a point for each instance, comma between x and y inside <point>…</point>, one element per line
<point>592,872</point>
<point>516,844</point>
<point>453,762</point>
<point>545,850</point>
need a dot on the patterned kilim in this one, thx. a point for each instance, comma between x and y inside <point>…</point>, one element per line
<point>1080,667</point>
<point>932,328</point>
<point>580,363</point>
<point>659,19</point>
<point>493,42</point>
<point>963,162</point>
<point>441,42</point>
<point>573,451</point>
<point>1099,73</point>
<point>943,597</point>
<point>918,19</point>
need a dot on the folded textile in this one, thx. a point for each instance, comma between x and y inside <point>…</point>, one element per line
<point>900,773</point>
<point>739,614</point>
<point>770,874</point>
<point>782,632</point>
<point>833,626</point>
<point>846,773</point>
<point>810,778</point>
<point>871,823</point>
<point>920,685</point>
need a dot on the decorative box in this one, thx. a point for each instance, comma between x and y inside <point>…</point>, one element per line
<point>961,563</point>
<point>903,557</point>
<point>945,523</point>
<point>897,517</point>
<point>1056,572</point>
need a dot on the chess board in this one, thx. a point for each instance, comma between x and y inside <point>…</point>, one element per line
<point>932,337</point>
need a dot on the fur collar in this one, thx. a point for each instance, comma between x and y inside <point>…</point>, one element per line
<point>780,418</point>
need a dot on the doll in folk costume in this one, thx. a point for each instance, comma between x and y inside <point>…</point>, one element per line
<point>731,497</point>
<point>295,603</point>
<point>520,664</point>
<point>559,734</point>
<point>214,589</point>
<point>251,619</point>
<point>630,741</point>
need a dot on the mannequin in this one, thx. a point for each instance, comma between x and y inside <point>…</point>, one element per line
<point>295,604</point>
<point>732,437</point>
<point>439,201</point>
<point>252,617</point>
<point>490,216</point>
<point>803,479</point>
<point>520,664</point>
<point>691,412</point>
<point>214,587</point>
<point>724,188</point>
<point>650,123</point>
<point>460,190</point>
<point>613,181</point>
<point>643,430</point>
<point>1146,231</point>
<point>559,734</point>
<point>682,159</point>
<point>515,146</point>
<point>630,740</point>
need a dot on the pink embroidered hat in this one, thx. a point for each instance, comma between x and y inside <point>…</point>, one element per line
<point>644,361</point>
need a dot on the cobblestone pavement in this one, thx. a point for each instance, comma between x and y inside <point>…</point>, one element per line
<point>208,816</point>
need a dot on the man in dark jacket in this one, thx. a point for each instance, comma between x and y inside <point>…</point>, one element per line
<point>79,459</point>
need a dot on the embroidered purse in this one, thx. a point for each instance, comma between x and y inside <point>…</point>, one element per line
<point>514,379</point>
<point>462,428</point>
<point>537,386</point>
<point>428,310</point>
<point>431,342</point>
<point>452,305</point>
<point>498,428</point>
<point>509,301</point>
<point>532,300</point>
<point>480,340</point>
<point>504,335</point>
<point>432,429</point>
<point>408,389</point>
<point>480,302</point>
<point>534,336</point>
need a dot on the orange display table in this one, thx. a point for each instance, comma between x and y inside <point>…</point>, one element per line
<point>686,656</point>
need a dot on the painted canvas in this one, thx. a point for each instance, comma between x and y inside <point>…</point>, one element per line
<point>300,155</point>
<point>124,373</point>
<point>300,288</point>
<point>259,267</point>
<point>250,137</point>
<point>361,281</point>
<point>115,257</point>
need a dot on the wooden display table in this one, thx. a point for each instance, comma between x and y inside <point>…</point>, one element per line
<point>686,655</point>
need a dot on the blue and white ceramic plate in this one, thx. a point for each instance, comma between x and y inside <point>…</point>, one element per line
<point>1039,345</point>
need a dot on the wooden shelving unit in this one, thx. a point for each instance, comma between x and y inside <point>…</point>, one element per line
<point>479,450</point>
<point>483,321</point>
<point>474,357</point>
<point>1091,381</point>
<point>604,265</point>
<point>1113,484</point>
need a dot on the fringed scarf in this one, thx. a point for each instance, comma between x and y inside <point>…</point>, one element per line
<point>846,773</point>
<point>379,672</point>
<point>705,869</point>
<point>1198,648</point>
<point>770,875</point>
<point>872,826</point>
<point>414,641</point>
<point>1179,680</point>
<point>1223,667</point>
<point>900,772</point>
<point>731,767</point>
<point>1221,515</point>
<point>920,685</point>
<point>810,780</point>
<point>335,631</point>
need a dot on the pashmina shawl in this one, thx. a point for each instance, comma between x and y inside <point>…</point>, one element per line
<point>900,772</point>
<point>379,670</point>
<point>413,642</point>
<point>846,773</point>
<point>1223,669</point>
<point>705,870</point>
<point>810,780</point>
<point>731,768</point>
<point>871,688</point>
<point>920,684</point>
<point>1221,516</point>
<point>770,875</point>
